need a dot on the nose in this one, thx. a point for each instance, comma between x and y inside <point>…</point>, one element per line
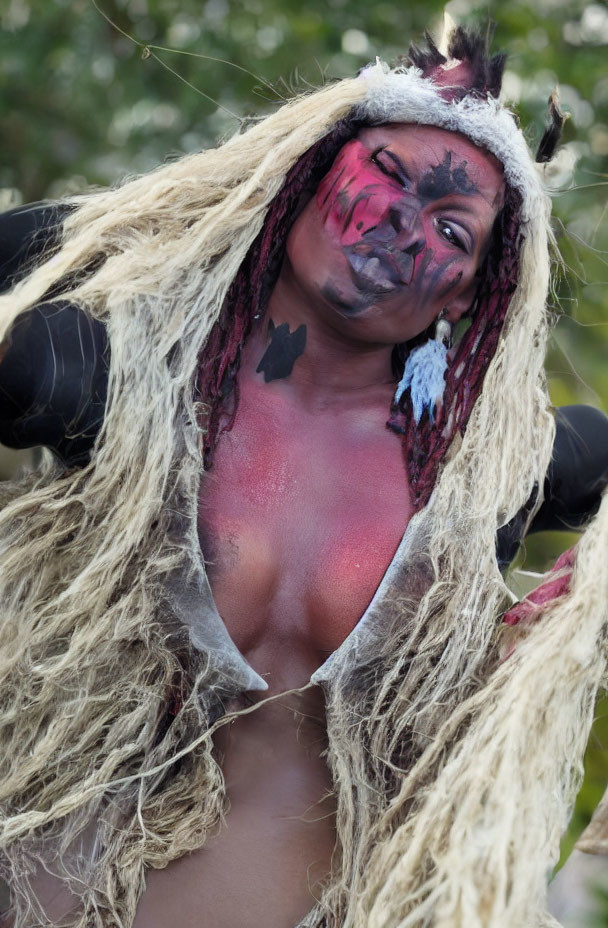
<point>407,223</point>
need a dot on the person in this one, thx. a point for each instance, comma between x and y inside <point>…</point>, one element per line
<point>212,353</point>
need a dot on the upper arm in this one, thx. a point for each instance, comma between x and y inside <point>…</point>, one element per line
<point>25,233</point>
<point>578,472</point>
<point>54,361</point>
<point>53,381</point>
<point>576,478</point>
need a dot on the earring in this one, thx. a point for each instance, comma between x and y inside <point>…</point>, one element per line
<point>424,372</point>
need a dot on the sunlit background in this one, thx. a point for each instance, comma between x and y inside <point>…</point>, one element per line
<point>85,101</point>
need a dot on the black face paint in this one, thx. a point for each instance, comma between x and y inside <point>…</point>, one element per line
<point>441,180</point>
<point>283,351</point>
<point>348,306</point>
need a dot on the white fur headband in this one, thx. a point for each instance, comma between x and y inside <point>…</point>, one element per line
<point>403,95</point>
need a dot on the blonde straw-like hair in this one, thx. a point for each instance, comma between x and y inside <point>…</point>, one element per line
<point>454,773</point>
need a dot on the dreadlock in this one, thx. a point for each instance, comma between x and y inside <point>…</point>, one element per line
<point>424,444</point>
<point>453,778</point>
<point>249,292</point>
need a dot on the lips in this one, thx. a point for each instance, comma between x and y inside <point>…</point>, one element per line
<point>377,268</point>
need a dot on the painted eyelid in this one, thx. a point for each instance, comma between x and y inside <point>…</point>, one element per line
<point>396,175</point>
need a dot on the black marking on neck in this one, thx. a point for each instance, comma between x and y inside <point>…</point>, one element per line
<point>283,351</point>
<point>442,180</point>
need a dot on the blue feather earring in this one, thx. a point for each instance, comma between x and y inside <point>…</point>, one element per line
<point>424,373</point>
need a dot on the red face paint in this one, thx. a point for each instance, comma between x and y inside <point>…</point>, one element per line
<point>352,198</point>
<point>400,224</point>
<point>378,228</point>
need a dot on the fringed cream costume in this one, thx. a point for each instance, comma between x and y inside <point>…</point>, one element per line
<point>455,771</point>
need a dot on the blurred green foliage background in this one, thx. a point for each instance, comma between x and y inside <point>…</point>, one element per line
<point>85,102</point>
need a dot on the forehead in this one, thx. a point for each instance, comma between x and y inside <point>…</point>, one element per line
<point>424,147</point>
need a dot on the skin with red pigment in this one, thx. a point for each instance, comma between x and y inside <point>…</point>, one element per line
<point>308,498</point>
<point>398,229</point>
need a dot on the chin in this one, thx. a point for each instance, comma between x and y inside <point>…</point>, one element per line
<point>352,293</point>
<point>366,317</point>
<point>345,299</point>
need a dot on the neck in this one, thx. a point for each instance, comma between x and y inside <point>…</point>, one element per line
<point>331,365</point>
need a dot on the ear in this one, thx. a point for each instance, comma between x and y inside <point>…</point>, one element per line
<point>458,306</point>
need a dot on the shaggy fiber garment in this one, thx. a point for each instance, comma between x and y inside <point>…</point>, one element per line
<point>454,772</point>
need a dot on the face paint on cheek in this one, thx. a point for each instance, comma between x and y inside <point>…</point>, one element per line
<point>440,280</point>
<point>435,276</point>
<point>350,199</point>
<point>326,187</point>
<point>356,205</point>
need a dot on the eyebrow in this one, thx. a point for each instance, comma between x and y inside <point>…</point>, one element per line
<point>463,186</point>
<point>464,207</point>
<point>442,179</point>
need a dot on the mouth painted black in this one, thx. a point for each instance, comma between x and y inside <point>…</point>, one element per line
<point>378,269</point>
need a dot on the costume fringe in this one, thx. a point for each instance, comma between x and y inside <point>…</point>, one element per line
<point>454,775</point>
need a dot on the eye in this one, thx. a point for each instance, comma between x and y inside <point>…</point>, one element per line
<point>450,233</point>
<point>384,160</point>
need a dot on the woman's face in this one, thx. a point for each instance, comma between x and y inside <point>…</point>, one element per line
<point>397,231</point>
